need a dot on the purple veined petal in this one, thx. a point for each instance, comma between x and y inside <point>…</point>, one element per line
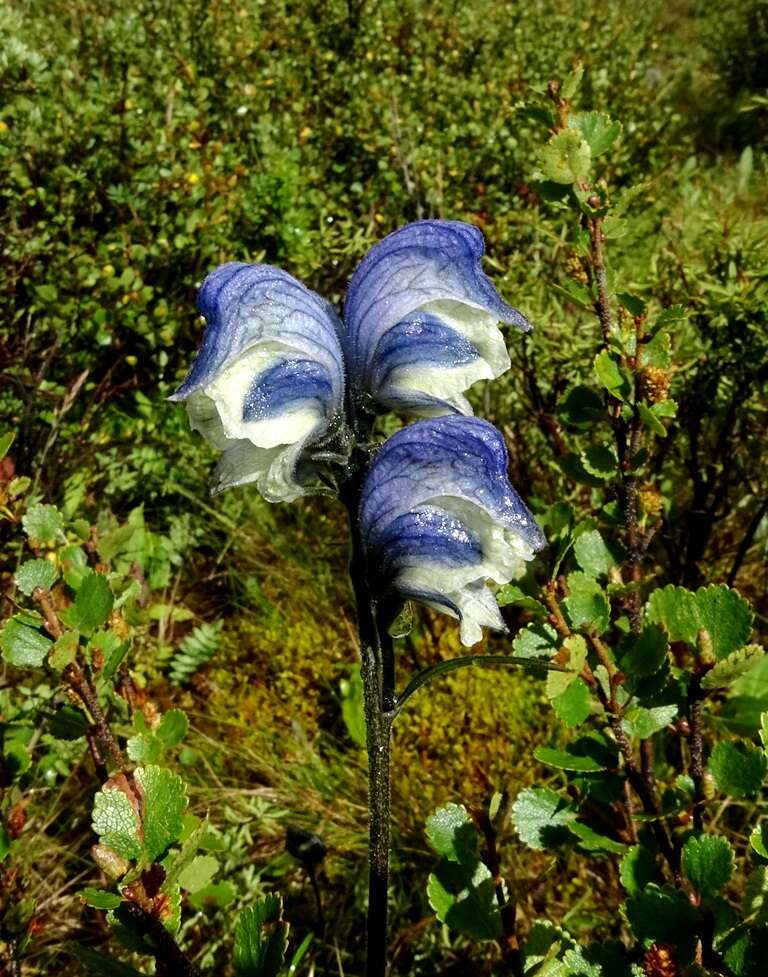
<point>421,318</point>
<point>268,380</point>
<point>439,518</point>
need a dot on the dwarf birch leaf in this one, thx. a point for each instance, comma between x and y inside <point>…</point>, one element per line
<point>638,869</point>
<point>566,158</point>
<point>452,834</point>
<point>575,647</point>
<point>727,670</point>
<point>98,899</point>
<point>93,603</point>
<point>600,461</point>
<point>642,723</point>
<point>199,873</point>
<point>116,821</point>
<point>645,653</point>
<point>612,377</point>
<point>42,523</point>
<point>574,704</point>
<point>173,727</point>
<point>593,554</point>
<point>651,421</point>
<point>726,616</point>
<point>512,594</point>
<point>592,840</point>
<point>581,407</point>
<point>738,767</point>
<point>708,863</point>
<point>35,573</point>
<point>540,817</point>
<point>675,608</point>
<point>599,130</point>
<point>662,914</point>
<point>586,605</point>
<point>23,646</point>
<point>164,804</point>
<point>261,939</point>
<point>536,641</point>
<point>463,896</point>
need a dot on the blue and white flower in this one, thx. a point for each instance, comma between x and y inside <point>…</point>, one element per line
<point>268,381</point>
<point>439,518</point>
<point>421,319</point>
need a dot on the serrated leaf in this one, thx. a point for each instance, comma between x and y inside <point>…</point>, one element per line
<point>566,158</point>
<point>93,603</point>
<point>726,617</point>
<point>641,723</point>
<point>574,705</point>
<point>165,801</point>
<point>34,574</point>
<point>593,554</point>
<point>638,869</point>
<point>23,646</point>
<point>645,653</point>
<point>599,130</point>
<point>143,748</point>
<point>738,767</point>
<point>261,939</point>
<point>572,81</point>
<point>98,899</point>
<point>463,896</point>
<point>572,656</point>
<point>675,608</point>
<point>600,461</point>
<point>101,965</point>
<point>593,840</point>
<point>64,651</point>
<point>581,407</point>
<point>584,755</point>
<point>541,817</point>
<point>708,863</point>
<point>116,820</point>
<point>658,351</point>
<point>452,833</point>
<point>6,440</point>
<point>735,665</point>
<point>612,376</point>
<point>663,914</point>
<point>42,523</point>
<point>536,641</point>
<point>512,594</point>
<point>651,421</point>
<point>586,605</point>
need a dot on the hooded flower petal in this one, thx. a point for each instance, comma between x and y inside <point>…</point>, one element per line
<point>422,318</point>
<point>268,380</point>
<point>439,517</point>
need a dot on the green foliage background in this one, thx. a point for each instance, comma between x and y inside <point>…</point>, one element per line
<point>142,145</point>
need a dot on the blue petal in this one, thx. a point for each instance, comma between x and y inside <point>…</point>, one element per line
<point>286,383</point>
<point>453,456</point>
<point>249,305</point>
<point>424,264</point>
<point>426,534</point>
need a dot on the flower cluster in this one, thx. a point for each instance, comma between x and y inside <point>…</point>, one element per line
<point>280,385</point>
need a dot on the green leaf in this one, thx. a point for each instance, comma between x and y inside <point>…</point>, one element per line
<point>593,554</point>
<point>726,617</point>
<point>34,574</point>
<point>64,651</point>
<point>576,649</point>
<point>738,767</point>
<point>173,727</point>
<point>452,833</point>
<point>463,896</point>
<point>641,723</point>
<point>512,594</point>
<point>23,646</point>
<point>68,723</point>
<point>74,565</point>
<point>352,712</point>
<point>6,440</point>
<point>143,748</point>
<point>738,663</point>
<point>651,421</point>
<point>572,81</point>
<point>663,914</point>
<point>536,641</point>
<point>675,608</point>
<point>574,705</point>
<point>43,523</point>
<point>219,894</point>
<point>600,461</point>
<point>165,801</point>
<point>199,873</point>
<point>5,843</point>
<point>658,351</point>
<point>99,964</point>
<point>261,939</point>
<point>93,603</point>
<point>584,755</point>
<point>598,129</point>
<point>566,158</point>
<point>708,863</point>
<point>98,899</point>
<point>541,816</point>
<point>638,869</point>
<point>581,407</point>
<point>612,376</point>
<point>592,840</point>
<point>116,820</point>
<point>586,605</point>
<point>645,653</point>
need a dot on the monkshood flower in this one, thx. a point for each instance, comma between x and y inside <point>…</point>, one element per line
<point>268,380</point>
<point>421,319</point>
<point>439,518</point>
